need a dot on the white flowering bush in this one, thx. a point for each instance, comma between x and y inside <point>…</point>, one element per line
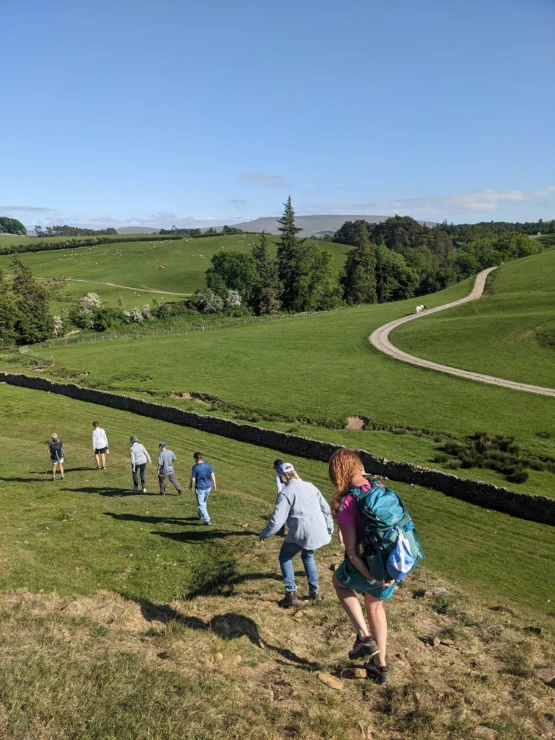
<point>206,301</point>
<point>58,328</point>
<point>87,307</point>
<point>234,299</point>
<point>146,312</point>
<point>136,315</point>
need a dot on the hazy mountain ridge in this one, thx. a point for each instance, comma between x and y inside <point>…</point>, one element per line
<point>313,224</point>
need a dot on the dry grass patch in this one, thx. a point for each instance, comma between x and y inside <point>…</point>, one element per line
<point>103,666</point>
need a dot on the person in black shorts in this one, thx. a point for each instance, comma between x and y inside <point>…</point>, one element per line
<point>56,452</point>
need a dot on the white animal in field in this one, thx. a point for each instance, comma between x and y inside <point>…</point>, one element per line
<point>421,308</point>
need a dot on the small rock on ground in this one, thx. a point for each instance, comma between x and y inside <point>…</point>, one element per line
<point>486,732</point>
<point>331,681</point>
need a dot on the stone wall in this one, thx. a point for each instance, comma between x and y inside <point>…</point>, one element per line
<point>534,508</point>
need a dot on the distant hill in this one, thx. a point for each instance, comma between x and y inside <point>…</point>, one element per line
<point>137,230</point>
<point>311,225</point>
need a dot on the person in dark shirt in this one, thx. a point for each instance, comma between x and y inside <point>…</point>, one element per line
<point>56,452</point>
<point>204,480</point>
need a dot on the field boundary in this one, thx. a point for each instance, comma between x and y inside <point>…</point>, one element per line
<point>380,340</point>
<point>539,509</point>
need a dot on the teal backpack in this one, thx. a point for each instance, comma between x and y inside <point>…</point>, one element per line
<point>389,533</point>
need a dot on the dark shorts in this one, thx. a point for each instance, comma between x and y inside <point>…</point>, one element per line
<point>101,451</point>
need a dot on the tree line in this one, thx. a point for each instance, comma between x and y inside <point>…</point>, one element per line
<point>469,231</point>
<point>66,230</point>
<point>24,314</point>
<point>199,233</point>
<point>390,261</point>
<point>12,226</point>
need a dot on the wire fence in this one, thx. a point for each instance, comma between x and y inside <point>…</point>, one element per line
<point>192,329</point>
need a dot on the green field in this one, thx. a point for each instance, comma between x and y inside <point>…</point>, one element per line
<point>321,367</point>
<point>137,265</point>
<point>79,535</point>
<point>509,333</point>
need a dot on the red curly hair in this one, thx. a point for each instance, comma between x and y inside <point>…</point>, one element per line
<point>344,465</point>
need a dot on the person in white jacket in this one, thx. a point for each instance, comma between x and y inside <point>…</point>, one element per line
<point>139,460</point>
<point>100,446</point>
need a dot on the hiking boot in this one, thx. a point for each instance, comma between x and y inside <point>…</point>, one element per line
<point>315,596</point>
<point>289,600</point>
<point>364,647</point>
<point>378,673</point>
<point>179,493</point>
<point>135,488</point>
<point>207,524</point>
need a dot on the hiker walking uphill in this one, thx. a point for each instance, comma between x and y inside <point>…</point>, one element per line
<point>203,479</point>
<point>139,460</point>
<point>280,486</point>
<point>166,459</point>
<point>381,548</point>
<point>307,514</point>
<point>56,452</point>
<point>100,446</point>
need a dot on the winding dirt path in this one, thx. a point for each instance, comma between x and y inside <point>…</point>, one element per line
<point>125,287</point>
<point>380,340</point>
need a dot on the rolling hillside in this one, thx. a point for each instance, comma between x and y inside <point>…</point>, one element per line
<point>137,264</point>
<point>509,333</point>
<point>312,224</point>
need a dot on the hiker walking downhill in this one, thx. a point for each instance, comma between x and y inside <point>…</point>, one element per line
<point>139,460</point>
<point>203,479</point>
<point>372,524</point>
<point>280,486</point>
<point>56,452</point>
<point>166,459</point>
<point>100,446</point>
<point>307,514</point>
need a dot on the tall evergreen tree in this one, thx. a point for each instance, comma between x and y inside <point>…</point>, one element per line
<point>8,312</point>
<point>34,322</point>
<point>288,254</point>
<point>359,277</point>
<point>265,265</point>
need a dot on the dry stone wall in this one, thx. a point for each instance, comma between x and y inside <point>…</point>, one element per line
<point>534,508</point>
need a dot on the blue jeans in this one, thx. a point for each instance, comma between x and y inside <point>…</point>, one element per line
<point>141,469</point>
<point>286,555</point>
<point>202,497</point>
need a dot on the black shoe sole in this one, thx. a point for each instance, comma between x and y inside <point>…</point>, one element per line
<point>363,652</point>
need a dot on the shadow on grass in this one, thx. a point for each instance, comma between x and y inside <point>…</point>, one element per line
<point>204,536</point>
<point>101,490</point>
<point>230,626</point>
<point>190,521</point>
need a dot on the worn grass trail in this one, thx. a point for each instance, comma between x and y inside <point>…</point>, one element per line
<point>122,617</point>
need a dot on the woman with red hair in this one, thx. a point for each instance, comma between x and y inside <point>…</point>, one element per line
<point>353,575</point>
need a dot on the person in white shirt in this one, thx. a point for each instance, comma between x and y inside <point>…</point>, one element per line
<point>100,446</point>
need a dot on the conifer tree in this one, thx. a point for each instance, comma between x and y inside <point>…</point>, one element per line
<point>288,254</point>
<point>359,277</point>
<point>34,322</point>
<point>8,312</point>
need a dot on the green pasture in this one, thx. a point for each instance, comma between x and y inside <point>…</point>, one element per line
<point>320,367</point>
<point>137,264</point>
<point>92,532</point>
<point>509,333</point>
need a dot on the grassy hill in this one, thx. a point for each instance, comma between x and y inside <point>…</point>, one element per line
<point>509,333</point>
<point>149,625</point>
<point>322,367</point>
<point>137,264</point>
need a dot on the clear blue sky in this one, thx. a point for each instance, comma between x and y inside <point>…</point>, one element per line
<point>136,111</point>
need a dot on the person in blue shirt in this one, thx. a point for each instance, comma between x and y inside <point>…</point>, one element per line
<point>204,480</point>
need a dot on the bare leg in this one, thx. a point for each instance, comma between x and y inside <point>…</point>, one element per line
<point>378,625</point>
<point>62,470</point>
<point>103,458</point>
<point>97,458</point>
<point>351,604</point>
<point>53,470</point>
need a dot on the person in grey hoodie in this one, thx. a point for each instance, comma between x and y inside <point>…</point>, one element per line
<point>139,460</point>
<point>308,516</point>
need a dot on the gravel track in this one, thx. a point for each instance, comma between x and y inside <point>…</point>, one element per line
<point>380,340</point>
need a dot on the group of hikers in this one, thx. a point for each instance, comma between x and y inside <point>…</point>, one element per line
<point>374,528</point>
<point>203,478</point>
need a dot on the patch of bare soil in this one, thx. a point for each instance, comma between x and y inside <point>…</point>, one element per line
<point>356,423</point>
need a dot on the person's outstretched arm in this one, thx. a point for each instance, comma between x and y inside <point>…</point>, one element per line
<point>278,518</point>
<point>213,479</point>
<point>326,511</point>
